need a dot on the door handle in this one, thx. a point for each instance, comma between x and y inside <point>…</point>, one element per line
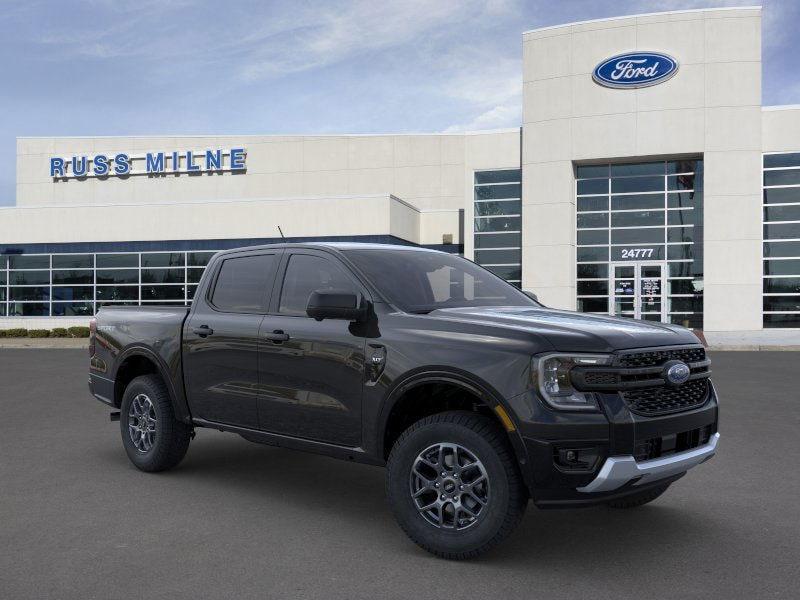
<point>203,330</point>
<point>277,336</point>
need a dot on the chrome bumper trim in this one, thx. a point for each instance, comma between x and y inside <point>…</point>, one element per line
<point>619,470</point>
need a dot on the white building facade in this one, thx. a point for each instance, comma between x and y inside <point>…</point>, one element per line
<point>655,187</point>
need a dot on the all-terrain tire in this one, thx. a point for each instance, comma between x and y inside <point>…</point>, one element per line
<point>505,494</point>
<point>639,499</point>
<point>169,441</point>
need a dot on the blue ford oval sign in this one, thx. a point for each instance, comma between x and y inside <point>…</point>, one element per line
<point>635,70</point>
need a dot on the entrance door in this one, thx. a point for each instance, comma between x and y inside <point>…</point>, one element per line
<point>637,290</point>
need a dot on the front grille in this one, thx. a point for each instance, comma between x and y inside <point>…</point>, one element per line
<point>656,358</point>
<point>653,401</point>
<point>670,444</point>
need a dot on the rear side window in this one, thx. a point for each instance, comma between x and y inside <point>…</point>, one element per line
<point>306,274</point>
<point>244,283</point>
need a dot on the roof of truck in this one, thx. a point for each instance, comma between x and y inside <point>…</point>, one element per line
<point>333,245</point>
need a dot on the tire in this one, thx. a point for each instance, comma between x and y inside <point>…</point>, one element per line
<point>486,468</point>
<point>168,439</point>
<point>639,499</point>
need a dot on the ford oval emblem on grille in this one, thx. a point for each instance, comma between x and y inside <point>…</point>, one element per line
<point>676,372</point>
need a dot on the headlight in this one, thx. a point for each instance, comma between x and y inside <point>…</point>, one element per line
<point>552,379</point>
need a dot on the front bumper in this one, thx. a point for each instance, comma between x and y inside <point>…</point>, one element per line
<point>618,471</point>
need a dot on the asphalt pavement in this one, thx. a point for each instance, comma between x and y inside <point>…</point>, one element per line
<point>241,520</point>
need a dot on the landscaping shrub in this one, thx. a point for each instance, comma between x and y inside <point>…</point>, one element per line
<point>79,332</point>
<point>16,332</point>
<point>59,332</point>
<point>38,333</point>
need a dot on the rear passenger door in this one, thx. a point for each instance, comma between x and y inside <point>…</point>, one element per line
<point>221,338</point>
<point>311,372</point>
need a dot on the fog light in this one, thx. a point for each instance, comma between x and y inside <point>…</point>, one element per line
<point>577,459</point>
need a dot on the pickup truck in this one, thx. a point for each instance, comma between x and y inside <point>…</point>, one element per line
<point>475,396</point>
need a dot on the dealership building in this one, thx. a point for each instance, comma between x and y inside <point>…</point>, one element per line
<point>646,179</point>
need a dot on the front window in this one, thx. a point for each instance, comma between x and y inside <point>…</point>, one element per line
<point>419,281</point>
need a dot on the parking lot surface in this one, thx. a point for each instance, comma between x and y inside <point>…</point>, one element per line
<point>240,520</point>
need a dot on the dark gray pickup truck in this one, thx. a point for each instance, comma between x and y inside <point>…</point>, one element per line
<point>475,396</point>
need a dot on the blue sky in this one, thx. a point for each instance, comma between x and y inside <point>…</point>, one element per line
<point>105,67</point>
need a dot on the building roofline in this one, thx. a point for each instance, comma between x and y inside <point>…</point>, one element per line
<point>781,107</point>
<point>652,14</point>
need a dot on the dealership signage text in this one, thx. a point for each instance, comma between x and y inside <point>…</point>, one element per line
<point>122,164</point>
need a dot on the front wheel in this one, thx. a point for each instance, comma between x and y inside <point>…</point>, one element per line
<point>454,486</point>
<point>153,438</point>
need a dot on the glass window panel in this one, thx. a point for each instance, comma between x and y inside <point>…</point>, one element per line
<point>624,272</point>
<point>782,267</point>
<point>194,275</point>
<point>681,182</point>
<point>497,240</point>
<point>790,159</point>
<point>593,220</point>
<point>498,257</point>
<point>693,304</point>
<point>512,207</point>
<point>593,288</point>
<point>587,171</point>
<point>244,283</point>
<point>117,292</point>
<point>598,203</point>
<point>498,224</point>
<point>592,271</point>
<point>163,259</point>
<point>637,219</point>
<point>588,254</point>
<point>492,192</point>
<point>680,252</point>
<point>782,195</point>
<point>101,304</point>
<point>3,262</point>
<point>190,291</point>
<point>73,276</point>
<point>162,292</point>
<point>592,186</point>
<point>117,260</point>
<point>163,276</point>
<point>199,259</point>
<point>680,234</point>
<point>782,285</point>
<point>27,261</point>
<point>637,236</point>
<point>682,217</point>
<point>28,277</point>
<point>638,252</point>
<point>2,294</point>
<point>651,271</point>
<point>681,269</point>
<point>498,176</point>
<point>304,275</point>
<point>29,309</point>
<point>637,184</point>
<point>782,213</point>
<point>506,272</point>
<point>637,201</point>
<point>84,292</point>
<point>782,231</point>
<point>73,309</point>
<point>782,303</point>
<point>29,293</point>
<point>774,321</point>
<point>592,236</point>
<point>781,249</point>
<point>73,261</point>
<point>647,168</point>
<point>596,305</point>
<point>684,199</point>
<point>118,276</point>
<point>684,166</point>
<point>685,286</point>
<point>787,177</point>
<point>2,310</point>
<point>2,277</point>
<point>688,321</point>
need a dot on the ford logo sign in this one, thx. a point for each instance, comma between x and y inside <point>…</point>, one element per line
<point>635,70</point>
<point>676,372</point>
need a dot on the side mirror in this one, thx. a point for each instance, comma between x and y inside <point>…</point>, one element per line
<point>336,304</point>
<point>531,295</point>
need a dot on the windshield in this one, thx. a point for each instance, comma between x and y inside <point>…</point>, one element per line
<point>419,281</point>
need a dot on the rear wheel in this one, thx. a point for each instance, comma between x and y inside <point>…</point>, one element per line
<point>454,486</point>
<point>639,499</point>
<point>153,438</point>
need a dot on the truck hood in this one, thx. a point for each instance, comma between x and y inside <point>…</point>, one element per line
<point>573,331</point>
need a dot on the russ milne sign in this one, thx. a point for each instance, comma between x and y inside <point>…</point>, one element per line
<point>122,164</point>
<point>635,70</point>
